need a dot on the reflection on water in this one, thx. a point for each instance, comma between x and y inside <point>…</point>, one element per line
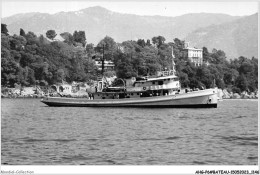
<point>34,134</point>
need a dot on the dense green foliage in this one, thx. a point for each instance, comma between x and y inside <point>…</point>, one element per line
<point>29,60</point>
<point>22,32</point>
<point>80,37</point>
<point>51,34</point>
<point>4,29</point>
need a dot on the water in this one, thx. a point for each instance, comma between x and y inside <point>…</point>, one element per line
<point>34,134</point>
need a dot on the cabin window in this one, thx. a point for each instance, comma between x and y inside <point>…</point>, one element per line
<point>97,94</point>
<point>137,93</point>
<point>153,82</point>
<point>160,82</point>
<point>132,94</point>
<point>168,79</point>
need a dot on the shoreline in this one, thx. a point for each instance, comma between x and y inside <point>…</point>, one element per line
<point>30,92</point>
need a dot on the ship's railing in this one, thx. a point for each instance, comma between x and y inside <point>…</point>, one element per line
<point>165,73</point>
<point>145,88</point>
<point>157,87</point>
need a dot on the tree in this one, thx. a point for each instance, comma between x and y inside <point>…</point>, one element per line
<point>60,75</point>
<point>108,42</point>
<point>31,38</point>
<point>218,56</point>
<point>230,75</point>
<point>90,49</point>
<point>9,71</point>
<point>110,47</point>
<point>51,34</point>
<point>43,40</point>
<point>242,83</point>
<point>148,42</point>
<point>158,40</point>
<point>204,75</point>
<point>17,42</point>
<point>5,41</point>
<point>141,42</point>
<point>68,38</point>
<point>31,78</point>
<point>206,55</point>
<point>4,29</point>
<point>26,59</point>
<point>125,70</point>
<point>80,37</point>
<point>184,80</point>
<point>22,33</point>
<point>246,67</point>
<point>178,43</point>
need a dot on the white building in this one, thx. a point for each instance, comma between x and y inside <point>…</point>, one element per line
<point>194,55</point>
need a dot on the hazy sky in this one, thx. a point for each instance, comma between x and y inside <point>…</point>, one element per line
<point>163,8</point>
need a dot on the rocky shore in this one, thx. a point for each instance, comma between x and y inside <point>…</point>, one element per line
<point>33,92</point>
<point>224,94</point>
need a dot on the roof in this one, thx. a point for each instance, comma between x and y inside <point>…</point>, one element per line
<point>193,48</point>
<point>58,38</point>
<point>158,78</point>
<point>161,78</point>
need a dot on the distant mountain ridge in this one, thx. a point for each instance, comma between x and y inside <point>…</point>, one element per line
<point>236,38</point>
<point>97,22</point>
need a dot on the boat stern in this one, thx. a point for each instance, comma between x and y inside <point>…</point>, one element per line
<point>213,99</point>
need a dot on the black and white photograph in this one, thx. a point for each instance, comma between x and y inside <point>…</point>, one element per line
<point>131,86</point>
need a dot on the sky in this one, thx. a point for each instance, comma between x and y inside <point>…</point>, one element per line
<point>163,8</point>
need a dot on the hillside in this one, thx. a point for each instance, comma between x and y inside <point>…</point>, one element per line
<point>236,38</point>
<point>98,22</point>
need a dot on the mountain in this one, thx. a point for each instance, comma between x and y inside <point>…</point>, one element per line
<point>97,22</point>
<point>235,38</point>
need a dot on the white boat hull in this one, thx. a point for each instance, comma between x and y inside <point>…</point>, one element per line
<point>196,99</point>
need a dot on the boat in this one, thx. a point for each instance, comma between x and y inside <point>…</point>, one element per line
<point>159,91</point>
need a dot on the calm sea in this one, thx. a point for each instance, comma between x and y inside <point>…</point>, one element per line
<point>34,134</point>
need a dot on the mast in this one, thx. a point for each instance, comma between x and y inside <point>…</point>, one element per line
<point>173,63</point>
<point>103,60</point>
<point>103,67</point>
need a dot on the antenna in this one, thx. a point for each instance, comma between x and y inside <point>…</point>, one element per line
<point>173,63</point>
<point>103,60</point>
